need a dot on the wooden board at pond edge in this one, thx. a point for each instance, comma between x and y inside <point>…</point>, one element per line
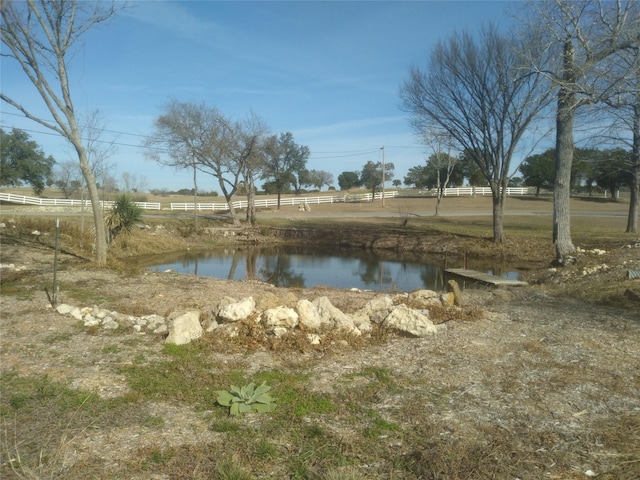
<point>476,276</point>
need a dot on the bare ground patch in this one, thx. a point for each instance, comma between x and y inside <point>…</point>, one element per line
<point>537,383</point>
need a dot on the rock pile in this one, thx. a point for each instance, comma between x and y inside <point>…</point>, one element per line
<point>315,317</point>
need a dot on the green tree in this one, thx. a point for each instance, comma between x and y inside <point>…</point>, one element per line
<point>347,180</point>
<point>539,170</point>
<point>611,170</point>
<point>371,176</point>
<point>285,163</point>
<point>426,176</point>
<point>419,176</point>
<point>470,169</point>
<point>22,161</point>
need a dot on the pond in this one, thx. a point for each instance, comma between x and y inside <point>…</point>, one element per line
<point>308,267</point>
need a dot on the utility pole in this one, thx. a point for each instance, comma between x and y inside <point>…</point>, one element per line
<point>382,176</point>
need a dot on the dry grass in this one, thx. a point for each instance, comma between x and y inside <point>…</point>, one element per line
<point>522,384</point>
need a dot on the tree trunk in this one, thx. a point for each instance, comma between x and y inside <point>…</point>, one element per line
<point>564,158</point>
<point>439,192</point>
<point>101,238</point>
<point>228,198</point>
<point>632,219</point>
<point>251,200</point>
<point>195,197</point>
<point>497,197</point>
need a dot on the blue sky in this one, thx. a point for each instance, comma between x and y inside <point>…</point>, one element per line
<point>329,72</point>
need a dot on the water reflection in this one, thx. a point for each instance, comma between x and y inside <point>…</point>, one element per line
<point>308,267</point>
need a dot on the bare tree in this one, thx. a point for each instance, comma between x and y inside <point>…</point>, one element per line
<point>249,151</point>
<point>479,93</point>
<point>624,111</point>
<point>441,144</point>
<point>581,38</point>
<point>67,177</point>
<point>195,136</point>
<point>40,36</point>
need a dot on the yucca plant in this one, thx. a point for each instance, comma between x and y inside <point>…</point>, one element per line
<point>247,398</point>
<point>122,217</point>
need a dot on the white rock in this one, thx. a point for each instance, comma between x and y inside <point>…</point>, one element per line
<point>91,321</point>
<point>100,312</point>
<point>425,298</point>
<point>278,331</point>
<point>237,311</point>
<point>409,321</point>
<point>110,324</point>
<point>381,302</point>
<point>64,309</point>
<point>332,315</point>
<point>154,321</point>
<point>185,328</point>
<point>76,313</point>
<point>161,329</point>
<point>308,315</point>
<point>280,317</point>
<point>211,325</point>
<point>314,338</point>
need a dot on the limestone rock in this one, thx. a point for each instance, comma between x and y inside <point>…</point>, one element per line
<point>91,321</point>
<point>409,321</point>
<point>332,315</point>
<point>185,328</point>
<point>237,311</point>
<point>278,331</point>
<point>308,315</point>
<point>64,309</point>
<point>380,302</point>
<point>110,324</point>
<point>280,317</point>
<point>424,299</point>
<point>362,321</point>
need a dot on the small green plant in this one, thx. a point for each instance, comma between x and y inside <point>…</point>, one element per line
<point>247,398</point>
<point>122,217</point>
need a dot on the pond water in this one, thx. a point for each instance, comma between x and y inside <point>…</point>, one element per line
<point>308,267</point>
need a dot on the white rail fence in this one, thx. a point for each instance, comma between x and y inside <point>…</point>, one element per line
<point>259,202</point>
<point>273,202</point>
<point>468,191</point>
<point>65,202</point>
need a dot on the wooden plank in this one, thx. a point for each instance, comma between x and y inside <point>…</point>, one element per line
<point>485,277</point>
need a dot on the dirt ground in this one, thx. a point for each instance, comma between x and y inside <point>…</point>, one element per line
<point>548,377</point>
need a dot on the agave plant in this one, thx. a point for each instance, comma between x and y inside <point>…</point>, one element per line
<point>247,398</point>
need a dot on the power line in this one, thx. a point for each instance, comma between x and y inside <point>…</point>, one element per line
<point>101,129</point>
<point>324,155</point>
